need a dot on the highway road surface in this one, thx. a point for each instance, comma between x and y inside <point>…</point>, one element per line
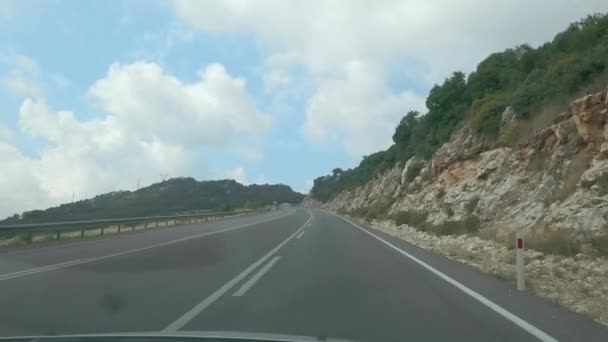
<point>292,271</point>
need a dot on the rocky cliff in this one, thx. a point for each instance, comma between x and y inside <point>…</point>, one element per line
<point>556,179</point>
<point>552,186</point>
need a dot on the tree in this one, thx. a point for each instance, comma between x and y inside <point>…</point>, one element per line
<point>522,77</point>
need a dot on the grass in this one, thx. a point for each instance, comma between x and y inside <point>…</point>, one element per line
<point>505,274</point>
<point>375,211</point>
<point>410,217</point>
<point>413,171</point>
<point>553,241</point>
<point>469,225</point>
<point>600,244</point>
<point>417,219</point>
<point>511,135</point>
<point>471,205</point>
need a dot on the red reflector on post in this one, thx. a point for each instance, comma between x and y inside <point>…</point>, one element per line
<point>520,243</point>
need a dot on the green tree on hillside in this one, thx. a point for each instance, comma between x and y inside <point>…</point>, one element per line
<point>523,77</point>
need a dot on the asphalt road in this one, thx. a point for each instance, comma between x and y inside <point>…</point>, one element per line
<point>291,271</point>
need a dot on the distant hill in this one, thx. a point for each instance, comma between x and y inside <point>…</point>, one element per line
<point>172,196</point>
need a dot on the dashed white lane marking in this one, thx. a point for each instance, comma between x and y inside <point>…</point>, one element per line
<point>300,235</point>
<point>78,262</point>
<point>188,316</point>
<point>541,335</point>
<point>37,270</point>
<point>241,291</point>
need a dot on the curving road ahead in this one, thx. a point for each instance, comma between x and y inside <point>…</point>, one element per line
<point>293,271</point>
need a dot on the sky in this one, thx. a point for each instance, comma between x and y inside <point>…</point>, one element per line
<point>99,96</point>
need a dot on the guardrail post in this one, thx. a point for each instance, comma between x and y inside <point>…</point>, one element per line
<point>56,229</point>
<point>519,262</point>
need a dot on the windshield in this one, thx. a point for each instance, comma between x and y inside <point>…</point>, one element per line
<point>278,170</point>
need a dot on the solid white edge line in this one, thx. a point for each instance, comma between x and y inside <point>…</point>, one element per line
<point>541,335</point>
<point>188,316</point>
<point>247,285</point>
<point>79,262</point>
<point>300,235</point>
<point>231,335</point>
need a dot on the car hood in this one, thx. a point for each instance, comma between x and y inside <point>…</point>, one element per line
<point>181,336</point>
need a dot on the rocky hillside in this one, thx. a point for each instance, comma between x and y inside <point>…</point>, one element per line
<point>172,196</point>
<point>519,144</point>
<point>557,180</point>
<point>466,202</point>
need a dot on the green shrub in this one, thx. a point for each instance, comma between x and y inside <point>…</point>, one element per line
<point>510,135</point>
<point>413,171</point>
<point>469,225</point>
<point>471,205</point>
<point>600,243</point>
<point>360,212</point>
<point>375,211</point>
<point>486,114</point>
<point>524,78</point>
<point>410,217</point>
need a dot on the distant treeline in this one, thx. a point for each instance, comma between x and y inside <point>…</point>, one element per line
<point>173,196</point>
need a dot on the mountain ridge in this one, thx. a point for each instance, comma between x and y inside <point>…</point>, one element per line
<point>167,197</point>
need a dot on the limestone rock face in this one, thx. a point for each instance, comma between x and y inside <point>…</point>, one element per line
<point>557,177</point>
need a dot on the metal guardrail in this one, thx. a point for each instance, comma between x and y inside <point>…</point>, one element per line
<point>28,231</point>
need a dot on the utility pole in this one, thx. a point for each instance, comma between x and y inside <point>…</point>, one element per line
<point>138,182</point>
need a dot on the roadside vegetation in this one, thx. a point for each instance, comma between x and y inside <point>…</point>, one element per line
<point>173,196</point>
<point>526,79</point>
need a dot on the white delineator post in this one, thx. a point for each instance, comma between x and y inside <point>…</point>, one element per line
<point>519,262</point>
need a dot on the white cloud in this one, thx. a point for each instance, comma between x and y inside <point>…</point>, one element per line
<point>6,134</point>
<point>60,81</point>
<point>8,7</point>
<point>157,45</point>
<point>18,189</point>
<point>238,174</point>
<point>249,152</point>
<point>328,36</point>
<point>213,111</point>
<point>357,109</point>
<point>166,157</point>
<point>275,73</point>
<point>24,78</point>
<point>152,124</point>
